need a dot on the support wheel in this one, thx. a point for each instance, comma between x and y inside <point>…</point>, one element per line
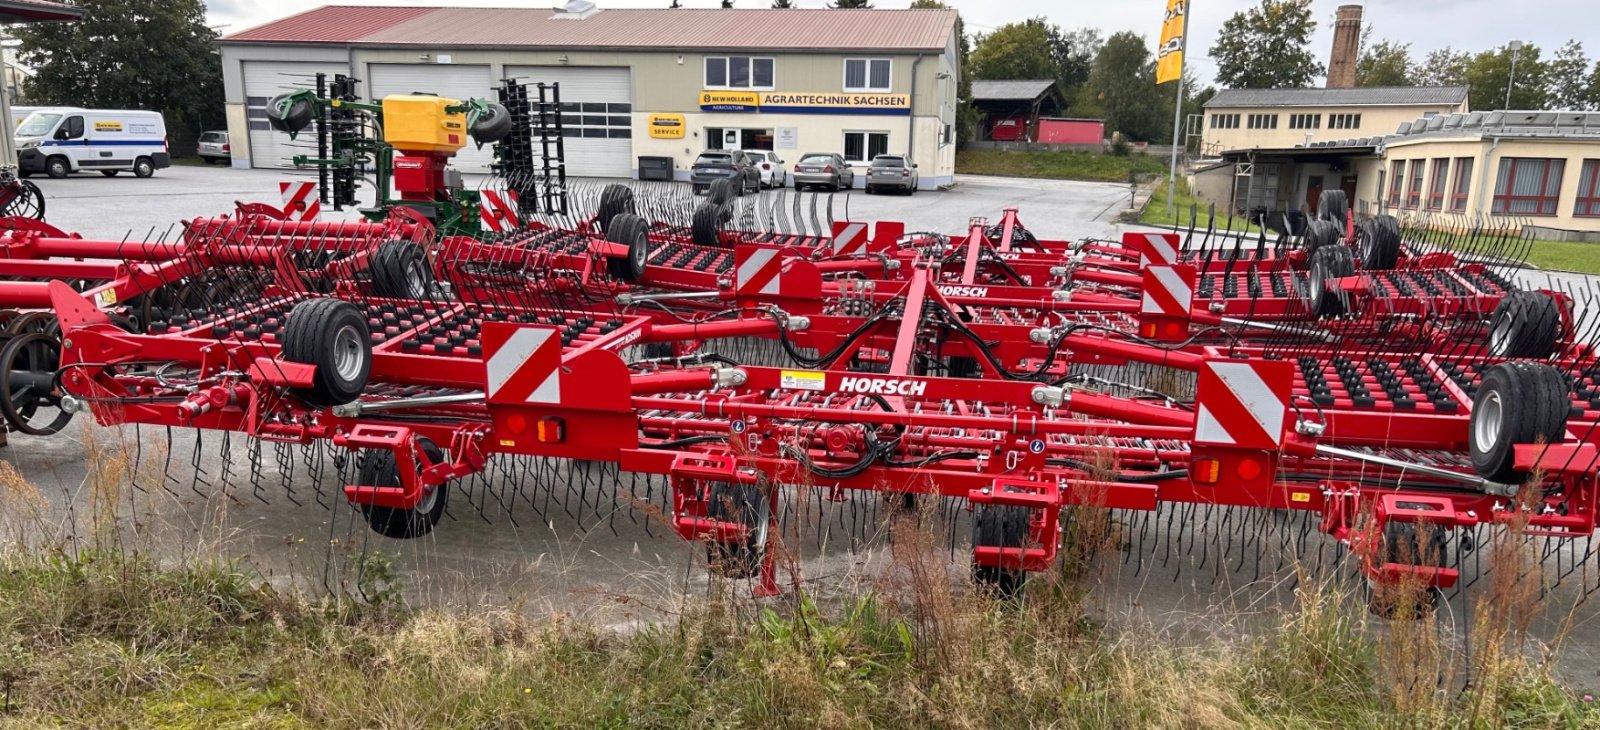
<point>1379,242</point>
<point>333,336</point>
<point>493,126</point>
<point>1332,205</point>
<point>1524,324</point>
<point>721,191</point>
<point>400,270</point>
<point>631,231</point>
<point>285,113</point>
<point>380,470</point>
<point>615,200</point>
<point>1320,233</point>
<point>1324,297</point>
<point>744,504</point>
<point>1516,403</point>
<point>28,365</point>
<point>1002,526</point>
<point>706,227</point>
<point>1407,543</point>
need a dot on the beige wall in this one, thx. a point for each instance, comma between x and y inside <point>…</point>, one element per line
<point>1376,121</point>
<point>1487,155</point>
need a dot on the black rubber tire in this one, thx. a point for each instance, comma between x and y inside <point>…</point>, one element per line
<point>1321,233</point>
<point>721,191</point>
<point>1524,324</point>
<point>615,200</point>
<point>1516,403</point>
<point>493,126</point>
<point>963,366</point>
<point>1332,205</point>
<point>28,202</point>
<point>38,353</point>
<point>1003,526</point>
<point>144,167</point>
<point>400,270</point>
<point>1407,543</point>
<point>706,227</point>
<point>110,173</point>
<point>744,504</point>
<point>316,331</point>
<point>1379,243</point>
<point>57,167</point>
<point>631,230</point>
<point>378,469</point>
<point>284,116</point>
<point>1324,298</point>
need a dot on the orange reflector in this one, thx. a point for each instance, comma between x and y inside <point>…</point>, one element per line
<point>552,430</point>
<point>1147,330</point>
<point>1206,470</point>
<point>1249,469</point>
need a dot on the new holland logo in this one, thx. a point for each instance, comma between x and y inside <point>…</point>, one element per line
<point>976,292</point>
<point>883,386</point>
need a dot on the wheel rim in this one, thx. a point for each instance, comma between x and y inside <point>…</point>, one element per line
<point>1487,414</point>
<point>348,355</point>
<point>430,495</point>
<point>415,282</point>
<point>640,251</point>
<point>1500,336</point>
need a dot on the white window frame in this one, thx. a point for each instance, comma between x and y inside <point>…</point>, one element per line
<point>727,65</point>
<point>866,144</point>
<point>868,88</point>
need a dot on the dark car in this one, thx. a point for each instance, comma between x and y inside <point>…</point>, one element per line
<point>735,165</point>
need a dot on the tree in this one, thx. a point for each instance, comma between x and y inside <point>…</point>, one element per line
<point>851,5</point>
<point>1385,63</point>
<point>782,4</point>
<point>1074,54</point>
<point>1267,47</point>
<point>1443,67</point>
<point>929,5</point>
<point>130,54</point>
<point>727,4</point>
<point>1490,71</point>
<point>1567,76</point>
<point>1122,89</point>
<point>1015,51</point>
<point>1593,93</point>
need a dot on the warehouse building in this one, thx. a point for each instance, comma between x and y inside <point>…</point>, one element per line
<point>634,83</point>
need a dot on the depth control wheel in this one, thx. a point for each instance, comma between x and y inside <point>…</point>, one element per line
<point>29,395</point>
<point>743,504</point>
<point>1407,543</point>
<point>1001,526</point>
<point>380,470</point>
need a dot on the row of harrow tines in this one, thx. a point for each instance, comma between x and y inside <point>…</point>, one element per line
<point>1013,374</point>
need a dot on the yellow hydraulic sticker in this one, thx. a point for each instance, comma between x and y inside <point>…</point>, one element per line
<point>803,380</point>
<point>1300,497</point>
<point>108,296</point>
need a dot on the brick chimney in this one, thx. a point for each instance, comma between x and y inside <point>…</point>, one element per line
<point>1346,48</point>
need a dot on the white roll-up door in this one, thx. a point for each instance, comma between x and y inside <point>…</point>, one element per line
<point>451,81</point>
<point>264,80</point>
<point>597,116</point>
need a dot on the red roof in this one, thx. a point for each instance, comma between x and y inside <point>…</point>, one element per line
<point>37,11</point>
<point>681,29</point>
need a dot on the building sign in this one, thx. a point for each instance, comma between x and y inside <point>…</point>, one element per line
<point>667,126</point>
<point>788,138</point>
<point>778,102</point>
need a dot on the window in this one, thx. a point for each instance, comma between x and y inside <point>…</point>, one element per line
<point>1344,121</point>
<point>863,146</point>
<point>1263,121</point>
<point>71,129</point>
<point>1436,184</point>
<point>1414,195</point>
<point>1458,195</point>
<point>1528,186</point>
<point>738,72</point>
<point>1397,178</point>
<point>1588,204</point>
<point>1224,121</point>
<point>948,136</point>
<point>596,120</point>
<point>1305,121</point>
<point>866,74</point>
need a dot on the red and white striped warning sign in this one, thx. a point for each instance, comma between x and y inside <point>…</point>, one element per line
<point>1243,404</point>
<point>1168,290</point>
<point>849,239</point>
<point>300,201</point>
<point>498,210</point>
<point>523,363</point>
<point>1155,249</point>
<point>756,270</point>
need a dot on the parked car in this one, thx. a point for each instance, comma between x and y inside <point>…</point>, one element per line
<point>735,165</point>
<point>59,141</point>
<point>772,173</point>
<point>892,172</point>
<point>823,169</point>
<point>214,148</point>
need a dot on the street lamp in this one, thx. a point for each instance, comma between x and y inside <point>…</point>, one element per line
<point>1516,50</point>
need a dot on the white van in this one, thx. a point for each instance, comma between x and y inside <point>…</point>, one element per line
<point>19,113</point>
<point>59,141</point>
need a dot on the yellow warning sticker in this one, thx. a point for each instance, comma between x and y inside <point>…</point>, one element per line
<point>803,380</point>
<point>108,296</point>
<point>1300,497</point>
<point>507,443</point>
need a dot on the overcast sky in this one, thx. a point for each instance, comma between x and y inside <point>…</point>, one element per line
<point>1426,24</point>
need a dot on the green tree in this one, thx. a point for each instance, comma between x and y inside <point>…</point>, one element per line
<point>1122,89</point>
<point>727,4</point>
<point>1568,77</point>
<point>1385,63</point>
<point>1267,47</point>
<point>782,4</point>
<point>929,5</point>
<point>851,5</point>
<point>1490,72</point>
<point>1593,93</point>
<point>1074,53</point>
<point>157,55</point>
<point>1015,51</point>
<point>1443,67</point>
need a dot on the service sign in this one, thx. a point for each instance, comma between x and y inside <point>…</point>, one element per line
<point>667,126</point>
<point>779,102</point>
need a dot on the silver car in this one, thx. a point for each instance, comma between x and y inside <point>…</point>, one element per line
<point>823,169</point>
<point>892,172</point>
<point>214,148</point>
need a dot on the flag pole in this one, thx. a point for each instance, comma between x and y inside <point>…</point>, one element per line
<point>1177,112</point>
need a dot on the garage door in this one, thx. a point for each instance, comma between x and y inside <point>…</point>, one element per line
<point>446,80</point>
<point>597,109</point>
<point>264,80</point>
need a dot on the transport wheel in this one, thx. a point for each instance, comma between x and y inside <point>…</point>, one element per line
<point>1003,526</point>
<point>333,336</point>
<point>744,504</point>
<point>30,323</point>
<point>1379,242</point>
<point>143,167</point>
<point>631,230</point>
<point>57,167</point>
<point>1324,298</point>
<point>492,126</point>
<point>614,201</point>
<point>29,363</point>
<point>1320,233</point>
<point>288,114</point>
<point>1516,403</point>
<point>1407,543</point>
<point>706,227</point>
<point>380,470</point>
<point>1524,324</point>
<point>26,200</point>
<point>400,270</point>
<point>110,173</point>
<point>721,191</point>
<point>1333,206</point>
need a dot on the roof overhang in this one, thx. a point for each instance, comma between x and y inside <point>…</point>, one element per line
<point>1301,154</point>
<point>37,11</point>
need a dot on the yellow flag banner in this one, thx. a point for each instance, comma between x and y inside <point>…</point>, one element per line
<point>1169,55</point>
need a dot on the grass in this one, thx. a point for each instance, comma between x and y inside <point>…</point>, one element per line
<point>1583,258</point>
<point>1185,204</point>
<point>1057,165</point>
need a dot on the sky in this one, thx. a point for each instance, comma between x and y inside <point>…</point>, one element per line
<point>1426,24</point>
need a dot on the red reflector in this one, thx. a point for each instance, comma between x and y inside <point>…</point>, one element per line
<point>552,430</point>
<point>1174,329</point>
<point>1248,469</point>
<point>1205,470</point>
<point>517,423</point>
